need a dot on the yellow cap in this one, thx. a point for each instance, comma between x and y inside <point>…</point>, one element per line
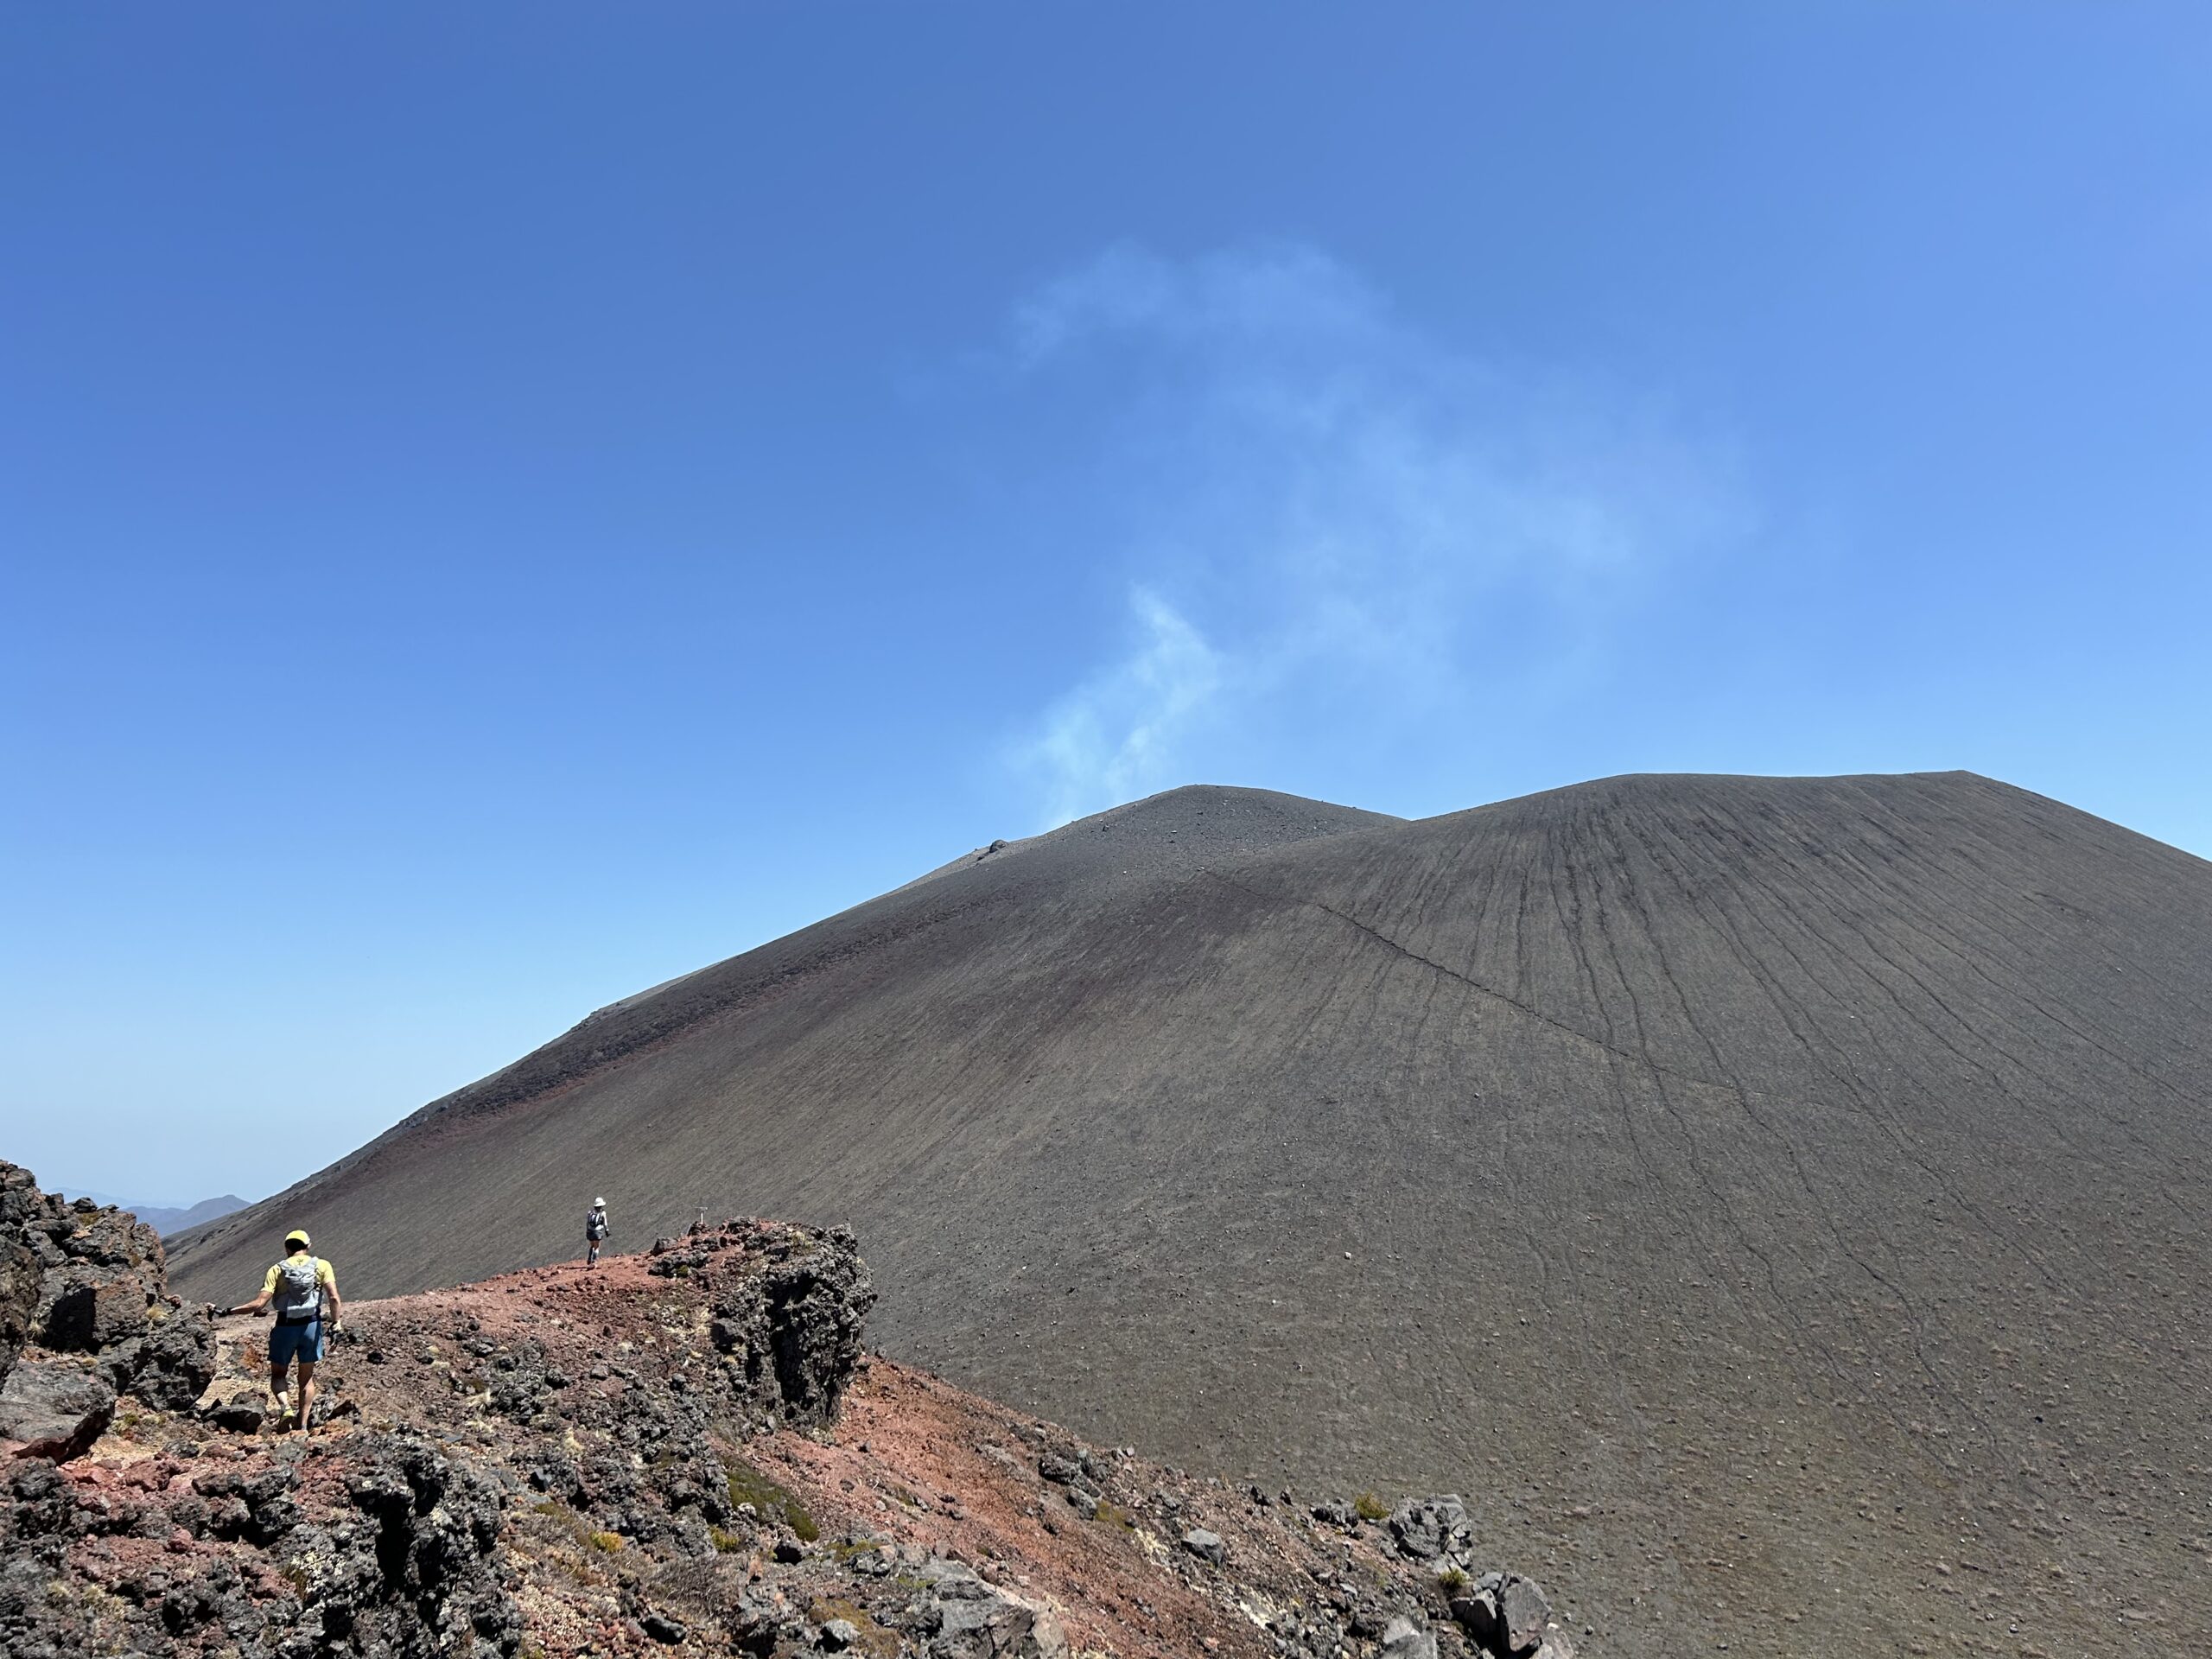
<point>297,1236</point>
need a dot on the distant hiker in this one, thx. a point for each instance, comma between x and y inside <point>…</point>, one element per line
<point>595,1230</point>
<point>300,1285</point>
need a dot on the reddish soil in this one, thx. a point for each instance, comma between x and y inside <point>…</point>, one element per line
<point>912,1465</point>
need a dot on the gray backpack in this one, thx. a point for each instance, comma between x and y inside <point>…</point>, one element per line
<point>299,1289</point>
<point>595,1225</point>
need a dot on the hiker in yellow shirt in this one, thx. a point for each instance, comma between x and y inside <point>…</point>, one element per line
<point>299,1285</point>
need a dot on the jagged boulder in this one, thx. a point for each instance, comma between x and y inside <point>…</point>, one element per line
<point>971,1618</point>
<point>170,1366</point>
<point>1403,1639</point>
<point>1476,1610</point>
<point>51,1408</point>
<point>78,1279</point>
<point>1527,1610</point>
<point>258,1509</point>
<point>84,1311</point>
<point>416,1569</point>
<point>1432,1529</point>
<point>981,1621</point>
<point>19,1273</point>
<point>20,1268</point>
<point>1509,1616</point>
<point>793,1327</point>
<point>19,1198</point>
<point>1206,1546</point>
<point>108,1273</point>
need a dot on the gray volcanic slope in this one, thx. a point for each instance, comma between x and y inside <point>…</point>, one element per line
<point>1779,1206</point>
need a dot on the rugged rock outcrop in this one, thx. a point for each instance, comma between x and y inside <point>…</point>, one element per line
<point>789,1324</point>
<point>19,1273</point>
<point>171,1364</point>
<point>415,1565</point>
<point>20,1270</point>
<point>51,1408</point>
<point>399,1556</point>
<point>79,1279</point>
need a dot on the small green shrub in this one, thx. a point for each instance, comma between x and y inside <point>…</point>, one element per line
<point>610,1543</point>
<point>749,1485</point>
<point>1368,1507</point>
<point>726,1543</point>
<point>1453,1580</point>
<point>1112,1514</point>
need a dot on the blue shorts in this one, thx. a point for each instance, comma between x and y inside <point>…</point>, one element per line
<point>302,1342</point>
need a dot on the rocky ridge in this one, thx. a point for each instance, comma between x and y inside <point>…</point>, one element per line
<point>86,1317</point>
<point>689,1451</point>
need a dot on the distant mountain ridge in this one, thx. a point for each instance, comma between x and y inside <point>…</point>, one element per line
<point>168,1218</point>
<point>1736,1188</point>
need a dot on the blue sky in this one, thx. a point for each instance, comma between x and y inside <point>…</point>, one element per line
<point>503,504</point>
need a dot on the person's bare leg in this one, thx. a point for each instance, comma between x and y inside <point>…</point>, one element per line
<point>276,1388</point>
<point>307,1390</point>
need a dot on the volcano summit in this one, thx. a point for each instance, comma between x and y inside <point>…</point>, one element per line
<point>1781,1205</point>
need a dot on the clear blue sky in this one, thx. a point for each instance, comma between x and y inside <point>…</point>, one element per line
<point>505,504</point>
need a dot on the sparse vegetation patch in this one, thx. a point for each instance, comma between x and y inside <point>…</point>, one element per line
<point>773,1502</point>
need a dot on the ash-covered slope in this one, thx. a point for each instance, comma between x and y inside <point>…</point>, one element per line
<point>1780,1204</point>
<point>912,976</point>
